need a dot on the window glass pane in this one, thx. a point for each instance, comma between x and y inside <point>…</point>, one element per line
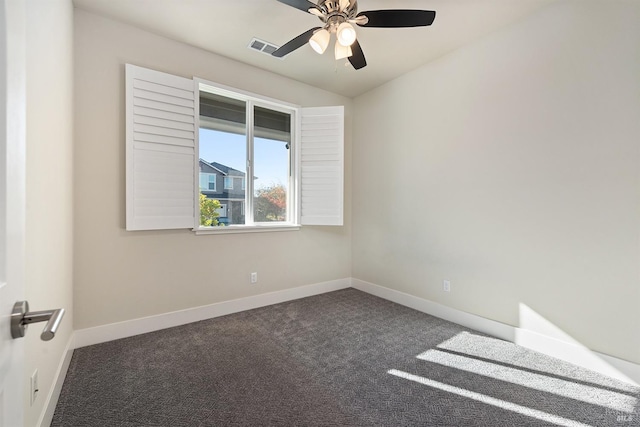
<point>207,180</point>
<point>223,151</point>
<point>228,183</point>
<point>271,164</point>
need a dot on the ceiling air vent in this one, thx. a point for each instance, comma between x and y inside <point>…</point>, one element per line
<point>263,46</point>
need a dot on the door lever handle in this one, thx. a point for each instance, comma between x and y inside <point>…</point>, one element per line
<point>21,317</point>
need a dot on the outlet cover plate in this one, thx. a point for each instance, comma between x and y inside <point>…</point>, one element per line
<point>34,386</point>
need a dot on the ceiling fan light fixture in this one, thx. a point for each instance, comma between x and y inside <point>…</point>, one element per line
<point>341,17</point>
<point>346,34</point>
<point>342,51</point>
<point>320,40</point>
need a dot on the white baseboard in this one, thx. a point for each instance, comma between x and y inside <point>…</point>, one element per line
<point>54,393</point>
<point>579,355</point>
<point>570,352</point>
<point>481,324</point>
<point>114,331</point>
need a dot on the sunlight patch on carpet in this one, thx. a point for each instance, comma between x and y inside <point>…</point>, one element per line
<point>548,384</point>
<point>534,413</point>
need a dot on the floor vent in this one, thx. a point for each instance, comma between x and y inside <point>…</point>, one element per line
<point>263,46</point>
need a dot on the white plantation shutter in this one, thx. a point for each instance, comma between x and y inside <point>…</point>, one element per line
<point>322,165</point>
<point>161,132</point>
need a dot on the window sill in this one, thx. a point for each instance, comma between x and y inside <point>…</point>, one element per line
<point>232,229</point>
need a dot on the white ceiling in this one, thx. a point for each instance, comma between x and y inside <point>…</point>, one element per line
<point>226,27</point>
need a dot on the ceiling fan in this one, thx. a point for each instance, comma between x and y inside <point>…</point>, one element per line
<point>338,17</point>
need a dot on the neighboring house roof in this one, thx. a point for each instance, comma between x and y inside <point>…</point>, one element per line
<point>209,168</point>
<point>220,168</point>
<point>227,169</point>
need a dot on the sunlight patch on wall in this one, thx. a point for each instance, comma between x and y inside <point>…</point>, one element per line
<point>538,333</point>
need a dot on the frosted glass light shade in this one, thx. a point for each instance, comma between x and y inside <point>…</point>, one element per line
<point>343,51</point>
<point>346,34</point>
<point>320,40</point>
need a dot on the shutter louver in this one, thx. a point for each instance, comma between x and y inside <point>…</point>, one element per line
<point>161,132</point>
<point>322,165</point>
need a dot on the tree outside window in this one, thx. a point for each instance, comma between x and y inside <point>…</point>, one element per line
<point>271,203</point>
<point>209,211</point>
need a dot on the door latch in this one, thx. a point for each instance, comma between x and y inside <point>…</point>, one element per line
<point>21,317</point>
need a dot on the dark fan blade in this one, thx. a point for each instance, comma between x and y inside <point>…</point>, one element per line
<point>294,44</point>
<point>398,18</point>
<point>357,59</point>
<point>303,5</point>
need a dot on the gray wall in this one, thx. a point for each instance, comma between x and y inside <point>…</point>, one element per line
<point>49,218</point>
<point>511,169</point>
<point>120,275</point>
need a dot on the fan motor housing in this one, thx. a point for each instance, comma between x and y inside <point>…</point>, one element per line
<point>332,7</point>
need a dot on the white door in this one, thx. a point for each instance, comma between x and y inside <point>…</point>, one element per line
<point>12,204</point>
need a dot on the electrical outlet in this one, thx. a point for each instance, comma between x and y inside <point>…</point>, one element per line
<point>254,277</point>
<point>446,286</point>
<point>34,386</point>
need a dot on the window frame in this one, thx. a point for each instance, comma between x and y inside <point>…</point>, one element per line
<point>160,134</point>
<point>253,100</point>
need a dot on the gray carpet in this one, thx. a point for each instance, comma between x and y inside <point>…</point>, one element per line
<point>343,358</point>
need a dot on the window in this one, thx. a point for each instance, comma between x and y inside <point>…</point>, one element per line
<point>207,181</point>
<point>228,183</point>
<point>182,134</point>
<point>233,182</point>
<point>245,136</point>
